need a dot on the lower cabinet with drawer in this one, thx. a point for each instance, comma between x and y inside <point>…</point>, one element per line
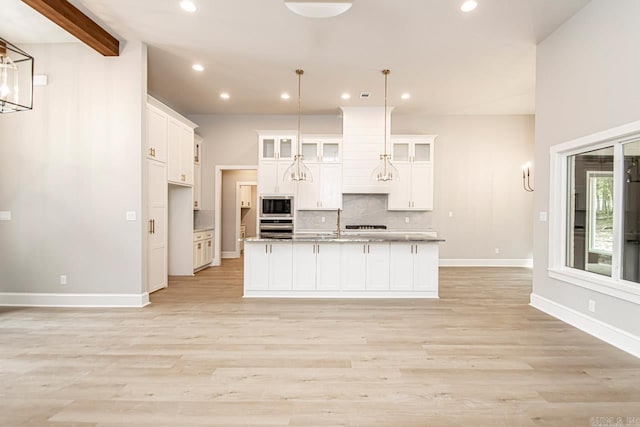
<point>202,249</point>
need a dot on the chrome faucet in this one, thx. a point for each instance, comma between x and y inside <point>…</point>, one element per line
<point>338,223</point>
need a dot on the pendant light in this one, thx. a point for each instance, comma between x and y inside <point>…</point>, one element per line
<point>385,171</point>
<point>298,171</point>
<point>16,78</point>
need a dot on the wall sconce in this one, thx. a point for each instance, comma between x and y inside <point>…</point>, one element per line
<point>16,78</point>
<point>526,180</point>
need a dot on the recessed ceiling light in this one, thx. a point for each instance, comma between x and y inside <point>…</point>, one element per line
<point>468,5</point>
<point>188,6</point>
<point>197,67</point>
<point>345,96</point>
<point>224,95</point>
<point>285,96</point>
<point>406,96</point>
<point>319,8</point>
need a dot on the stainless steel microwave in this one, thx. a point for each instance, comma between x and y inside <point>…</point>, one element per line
<point>276,206</point>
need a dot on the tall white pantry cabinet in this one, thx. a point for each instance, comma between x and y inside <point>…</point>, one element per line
<point>168,170</point>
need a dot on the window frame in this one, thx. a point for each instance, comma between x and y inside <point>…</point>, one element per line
<point>558,207</point>
<point>591,213</point>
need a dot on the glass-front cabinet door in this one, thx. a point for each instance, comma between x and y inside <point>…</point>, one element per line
<point>400,152</point>
<point>331,152</point>
<point>421,152</point>
<point>310,151</point>
<point>285,148</point>
<point>268,148</point>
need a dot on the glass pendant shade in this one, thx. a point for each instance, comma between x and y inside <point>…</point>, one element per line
<point>298,171</point>
<point>385,171</point>
<point>16,78</point>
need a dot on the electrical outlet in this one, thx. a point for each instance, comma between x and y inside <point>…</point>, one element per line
<point>592,306</point>
<point>450,214</point>
<point>5,216</point>
<point>543,217</point>
<point>63,279</point>
<point>497,250</point>
<point>323,219</point>
<point>131,215</point>
<point>406,220</point>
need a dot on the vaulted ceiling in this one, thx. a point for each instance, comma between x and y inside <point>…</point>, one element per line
<point>450,62</point>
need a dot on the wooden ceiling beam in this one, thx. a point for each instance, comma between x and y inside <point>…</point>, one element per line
<point>72,20</point>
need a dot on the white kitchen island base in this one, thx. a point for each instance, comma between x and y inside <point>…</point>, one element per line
<point>389,267</point>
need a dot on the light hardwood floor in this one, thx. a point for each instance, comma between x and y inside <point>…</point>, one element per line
<point>201,355</point>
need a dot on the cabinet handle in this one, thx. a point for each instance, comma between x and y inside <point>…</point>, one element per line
<point>152,152</point>
<point>150,229</point>
<point>270,249</point>
<point>314,248</point>
<point>411,248</point>
<point>195,203</point>
<point>416,248</point>
<point>368,249</point>
<point>199,245</point>
<point>153,226</point>
<point>266,249</point>
<point>364,249</point>
<point>183,177</point>
<point>209,243</point>
<point>318,247</point>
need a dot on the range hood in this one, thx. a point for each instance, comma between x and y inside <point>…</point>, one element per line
<point>362,144</point>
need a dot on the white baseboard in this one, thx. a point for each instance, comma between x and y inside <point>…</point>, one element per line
<point>18,299</point>
<point>341,294</point>
<point>610,334</point>
<point>490,262</point>
<point>230,254</point>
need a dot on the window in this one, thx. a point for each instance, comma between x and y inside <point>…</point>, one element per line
<point>631,196</point>
<point>595,212</point>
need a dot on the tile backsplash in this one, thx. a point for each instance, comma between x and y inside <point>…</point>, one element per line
<point>202,219</point>
<point>370,209</point>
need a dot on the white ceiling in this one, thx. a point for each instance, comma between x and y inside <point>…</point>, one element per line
<point>482,62</point>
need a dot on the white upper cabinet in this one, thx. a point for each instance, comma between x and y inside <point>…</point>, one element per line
<point>157,128</point>
<point>245,196</point>
<point>275,155</point>
<point>323,158</point>
<point>413,156</point>
<point>170,139</point>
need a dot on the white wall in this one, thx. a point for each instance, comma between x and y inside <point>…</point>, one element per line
<point>587,81</point>
<point>477,173</point>
<point>70,169</point>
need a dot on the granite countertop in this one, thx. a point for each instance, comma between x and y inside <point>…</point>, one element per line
<point>200,230</point>
<point>353,238</point>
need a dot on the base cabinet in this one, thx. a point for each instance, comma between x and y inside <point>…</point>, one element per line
<point>202,249</point>
<point>268,265</point>
<point>341,269</point>
<point>410,267</point>
<point>316,266</point>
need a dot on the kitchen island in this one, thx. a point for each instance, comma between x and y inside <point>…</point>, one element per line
<point>388,265</point>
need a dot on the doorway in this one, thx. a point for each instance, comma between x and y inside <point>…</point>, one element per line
<point>229,214</point>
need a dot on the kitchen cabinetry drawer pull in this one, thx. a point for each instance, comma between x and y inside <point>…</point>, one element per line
<point>266,249</point>
<point>416,248</point>
<point>364,249</point>
<point>318,247</point>
<point>270,249</point>
<point>411,248</point>
<point>368,249</point>
<point>314,248</point>
<point>150,229</point>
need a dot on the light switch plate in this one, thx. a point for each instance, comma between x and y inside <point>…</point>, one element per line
<point>5,215</point>
<point>543,216</point>
<point>131,216</point>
